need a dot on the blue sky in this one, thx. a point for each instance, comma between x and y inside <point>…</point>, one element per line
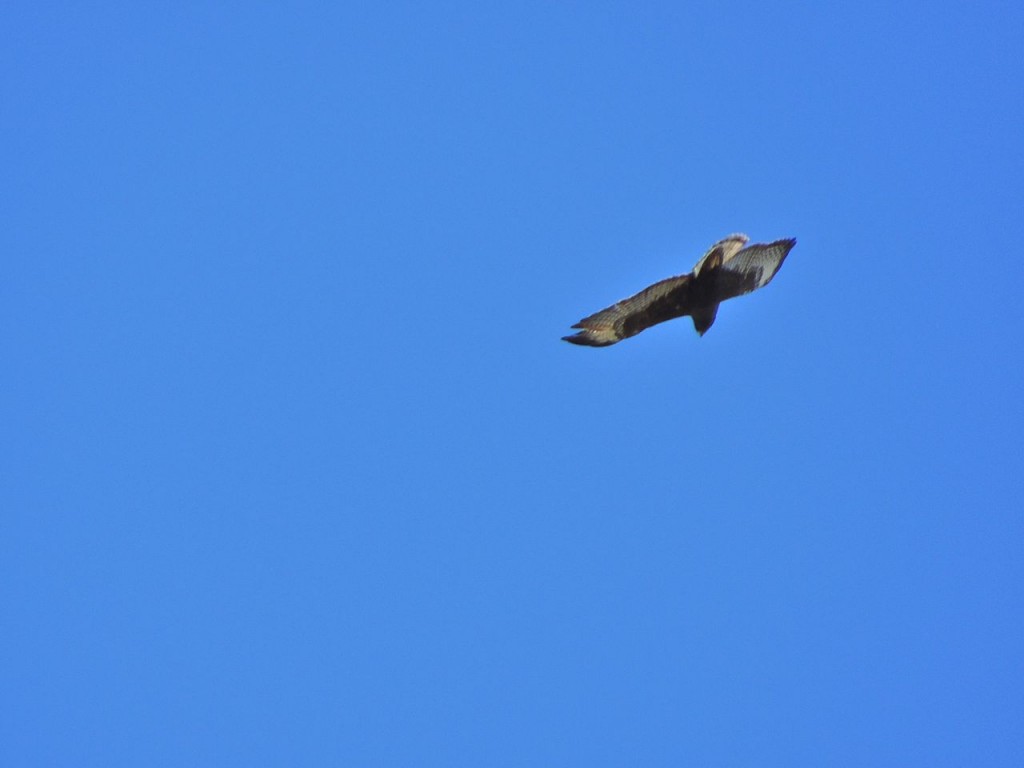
<point>297,471</point>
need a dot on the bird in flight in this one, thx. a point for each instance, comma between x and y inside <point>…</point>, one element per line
<point>727,270</point>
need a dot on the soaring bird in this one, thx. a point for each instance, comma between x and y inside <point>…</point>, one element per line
<point>727,270</point>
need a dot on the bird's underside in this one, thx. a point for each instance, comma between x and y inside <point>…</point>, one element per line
<point>726,271</point>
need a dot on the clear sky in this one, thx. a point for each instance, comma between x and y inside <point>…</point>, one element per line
<point>296,470</point>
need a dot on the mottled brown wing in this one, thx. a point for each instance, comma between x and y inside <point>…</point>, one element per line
<point>662,301</point>
<point>751,268</point>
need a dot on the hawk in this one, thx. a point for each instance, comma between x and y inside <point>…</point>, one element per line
<point>727,270</point>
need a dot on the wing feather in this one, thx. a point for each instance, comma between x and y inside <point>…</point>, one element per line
<point>657,303</point>
<point>751,268</point>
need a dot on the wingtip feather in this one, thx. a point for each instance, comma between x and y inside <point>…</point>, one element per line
<point>585,339</point>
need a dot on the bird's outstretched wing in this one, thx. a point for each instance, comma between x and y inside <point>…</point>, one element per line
<point>751,268</point>
<point>662,301</point>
